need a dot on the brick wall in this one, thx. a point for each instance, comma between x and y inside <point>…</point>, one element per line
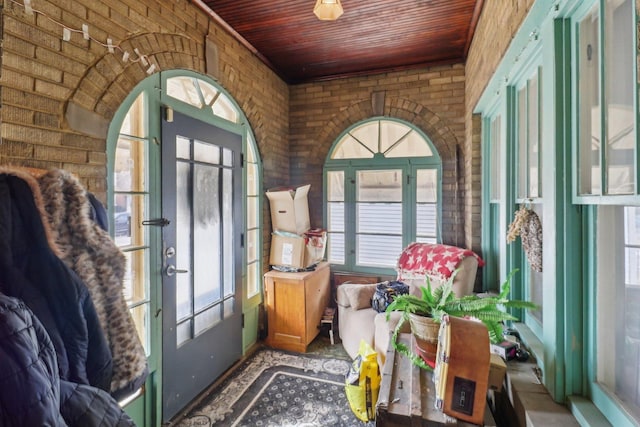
<point>432,99</point>
<point>43,77</point>
<point>486,51</point>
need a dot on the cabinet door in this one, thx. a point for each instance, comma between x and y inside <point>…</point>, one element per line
<point>286,311</point>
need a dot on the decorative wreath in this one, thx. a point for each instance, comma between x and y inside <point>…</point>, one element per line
<point>526,223</point>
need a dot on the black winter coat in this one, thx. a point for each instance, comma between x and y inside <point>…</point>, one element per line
<point>31,393</point>
<point>31,271</point>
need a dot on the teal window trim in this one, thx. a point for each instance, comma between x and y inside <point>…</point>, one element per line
<point>409,167</point>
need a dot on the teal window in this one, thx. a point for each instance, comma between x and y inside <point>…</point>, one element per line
<point>606,159</point>
<point>382,192</point>
<point>607,137</point>
<point>528,122</point>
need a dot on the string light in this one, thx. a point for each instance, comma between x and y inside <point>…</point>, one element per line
<point>67,34</point>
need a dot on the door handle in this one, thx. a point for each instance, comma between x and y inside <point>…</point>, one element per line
<point>172,270</point>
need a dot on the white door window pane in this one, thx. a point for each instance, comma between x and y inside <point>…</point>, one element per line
<point>427,221</point>
<point>204,152</point>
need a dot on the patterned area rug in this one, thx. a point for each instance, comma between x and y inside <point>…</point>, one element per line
<point>276,388</point>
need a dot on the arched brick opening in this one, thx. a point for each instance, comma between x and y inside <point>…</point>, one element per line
<point>433,126</point>
<point>107,83</point>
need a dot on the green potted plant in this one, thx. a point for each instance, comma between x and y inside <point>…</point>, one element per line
<point>424,313</point>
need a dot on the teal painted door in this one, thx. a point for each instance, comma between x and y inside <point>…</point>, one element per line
<point>202,254</point>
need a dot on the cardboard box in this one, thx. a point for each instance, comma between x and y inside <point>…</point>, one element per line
<point>289,209</point>
<point>298,251</point>
<point>497,371</point>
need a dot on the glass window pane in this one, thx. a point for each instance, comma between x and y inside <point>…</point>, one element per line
<point>253,279</point>
<point>589,104</point>
<point>336,216</point>
<point>207,239</point>
<point>533,138</point>
<point>209,93</point>
<point>225,109</point>
<point>135,122</point>
<point>251,154</point>
<point>335,248</point>
<point>391,133</point>
<point>184,291</point>
<point>412,145</point>
<point>335,186</point>
<point>134,283</point>
<point>496,139</point>
<point>140,315</point>
<point>252,212</point>
<point>183,332</point>
<point>252,245</point>
<point>130,211</point>
<point>130,165</point>
<point>427,186</point>
<point>206,320</point>
<point>227,231</point>
<point>229,305</point>
<point>183,147</point>
<point>620,63</point>
<point>377,251</point>
<point>184,89</point>
<point>350,148</point>
<point>383,218</point>
<point>379,186</point>
<point>208,153</point>
<point>252,179</point>
<point>367,134</point>
<point>427,220</point>
<point>618,304</point>
<point>227,157</point>
<point>522,142</point>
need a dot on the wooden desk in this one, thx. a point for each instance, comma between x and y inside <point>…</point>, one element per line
<point>295,304</point>
<point>407,395</point>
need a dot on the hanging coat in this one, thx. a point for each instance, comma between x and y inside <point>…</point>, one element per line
<point>89,251</point>
<point>31,270</point>
<point>31,392</point>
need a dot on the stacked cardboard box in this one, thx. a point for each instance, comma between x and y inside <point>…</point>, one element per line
<point>293,243</point>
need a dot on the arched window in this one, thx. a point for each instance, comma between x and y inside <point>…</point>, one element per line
<point>382,191</point>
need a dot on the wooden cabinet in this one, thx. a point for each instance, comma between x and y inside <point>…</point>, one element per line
<point>295,303</point>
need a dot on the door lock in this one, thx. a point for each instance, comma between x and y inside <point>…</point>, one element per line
<point>172,270</point>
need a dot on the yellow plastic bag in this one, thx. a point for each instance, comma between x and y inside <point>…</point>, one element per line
<point>362,383</point>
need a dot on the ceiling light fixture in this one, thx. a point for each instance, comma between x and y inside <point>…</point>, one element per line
<point>328,10</point>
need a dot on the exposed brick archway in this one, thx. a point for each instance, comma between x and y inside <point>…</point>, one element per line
<point>107,83</point>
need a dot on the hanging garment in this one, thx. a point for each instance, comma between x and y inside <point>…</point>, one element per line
<point>31,391</point>
<point>31,271</point>
<point>89,251</point>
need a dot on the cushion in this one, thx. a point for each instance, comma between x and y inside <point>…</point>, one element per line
<point>359,296</point>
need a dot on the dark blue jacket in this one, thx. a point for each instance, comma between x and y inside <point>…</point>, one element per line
<point>31,392</point>
<point>31,271</point>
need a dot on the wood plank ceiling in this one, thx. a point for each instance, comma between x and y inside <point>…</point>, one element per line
<point>371,36</point>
